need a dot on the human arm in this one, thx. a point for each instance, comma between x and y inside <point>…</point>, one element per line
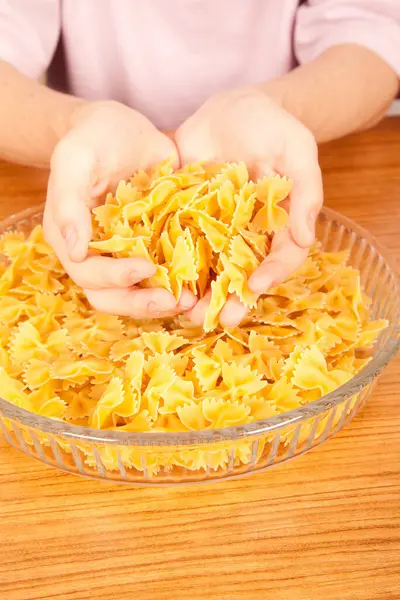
<point>87,145</point>
<point>347,88</point>
<point>33,118</point>
<point>350,55</point>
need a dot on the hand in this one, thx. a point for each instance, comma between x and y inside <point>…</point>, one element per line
<point>105,144</point>
<point>246,125</point>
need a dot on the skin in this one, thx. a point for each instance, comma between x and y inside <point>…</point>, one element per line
<point>88,161</point>
<point>268,139</point>
<point>276,126</point>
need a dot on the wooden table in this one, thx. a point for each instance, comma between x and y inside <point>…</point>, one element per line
<point>325,526</point>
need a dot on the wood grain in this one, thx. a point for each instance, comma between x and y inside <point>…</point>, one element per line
<point>326,525</point>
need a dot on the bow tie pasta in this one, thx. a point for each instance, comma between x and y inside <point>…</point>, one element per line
<point>205,227</point>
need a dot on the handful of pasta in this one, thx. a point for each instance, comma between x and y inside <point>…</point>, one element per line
<point>204,227</point>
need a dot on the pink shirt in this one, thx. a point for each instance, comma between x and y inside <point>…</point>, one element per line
<point>166,57</point>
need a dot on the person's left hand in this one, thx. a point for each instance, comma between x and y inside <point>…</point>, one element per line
<point>246,125</point>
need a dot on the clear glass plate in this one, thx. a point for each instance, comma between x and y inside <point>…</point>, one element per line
<point>151,458</point>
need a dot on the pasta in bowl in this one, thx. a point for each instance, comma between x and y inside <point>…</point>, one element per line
<point>164,401</point>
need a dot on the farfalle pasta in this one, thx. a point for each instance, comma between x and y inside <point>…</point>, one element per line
<point>205,228</point>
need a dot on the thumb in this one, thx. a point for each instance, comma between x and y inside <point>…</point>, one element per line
<point>306,199</point>
<point>305,203</point>
<point>69,197</point>
<point>77,235</point>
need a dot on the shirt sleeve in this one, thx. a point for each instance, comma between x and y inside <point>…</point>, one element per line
<point>29,32</point>
<point>374,24</point>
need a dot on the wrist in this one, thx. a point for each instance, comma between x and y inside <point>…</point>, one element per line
<point>275,90</point>
<point>76,110</point>
<point>244,99</point>
<point>290,95</point>
<point>66,116</point>
<point>73,114</point>
<point>84,109</point>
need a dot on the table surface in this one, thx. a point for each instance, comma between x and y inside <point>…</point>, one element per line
<point>326,525</point>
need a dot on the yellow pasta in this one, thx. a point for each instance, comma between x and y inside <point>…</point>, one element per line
<point>207,228</point>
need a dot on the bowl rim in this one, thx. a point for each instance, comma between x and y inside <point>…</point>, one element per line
<point>239,432</point>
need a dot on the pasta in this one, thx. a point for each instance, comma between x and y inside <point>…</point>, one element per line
<point>206,228</point>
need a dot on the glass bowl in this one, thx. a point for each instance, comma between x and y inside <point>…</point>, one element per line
<point>150,458</point>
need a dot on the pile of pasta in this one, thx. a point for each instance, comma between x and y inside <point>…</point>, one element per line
<point>205,227</point>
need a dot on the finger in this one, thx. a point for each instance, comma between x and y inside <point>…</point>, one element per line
<point>102,272</point>
<point>69,195</point>
<point>284,259</point>
<point>198,312</point>
<point>306,196</point>
<point>97,272</point>
<point>134,302</point>
<point>233,312</point>
<point>306,200</point>
<point>159,147</point>
<point>187,300</point>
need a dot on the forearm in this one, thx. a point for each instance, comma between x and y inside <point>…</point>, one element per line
<point>347,88</point>
<point>32,118</point>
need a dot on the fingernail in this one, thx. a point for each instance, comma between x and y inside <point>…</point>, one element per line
<point>187,302</point>
<point>70,236</point>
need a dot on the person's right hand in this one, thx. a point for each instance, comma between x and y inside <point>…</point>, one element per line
<point>107,142</point>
